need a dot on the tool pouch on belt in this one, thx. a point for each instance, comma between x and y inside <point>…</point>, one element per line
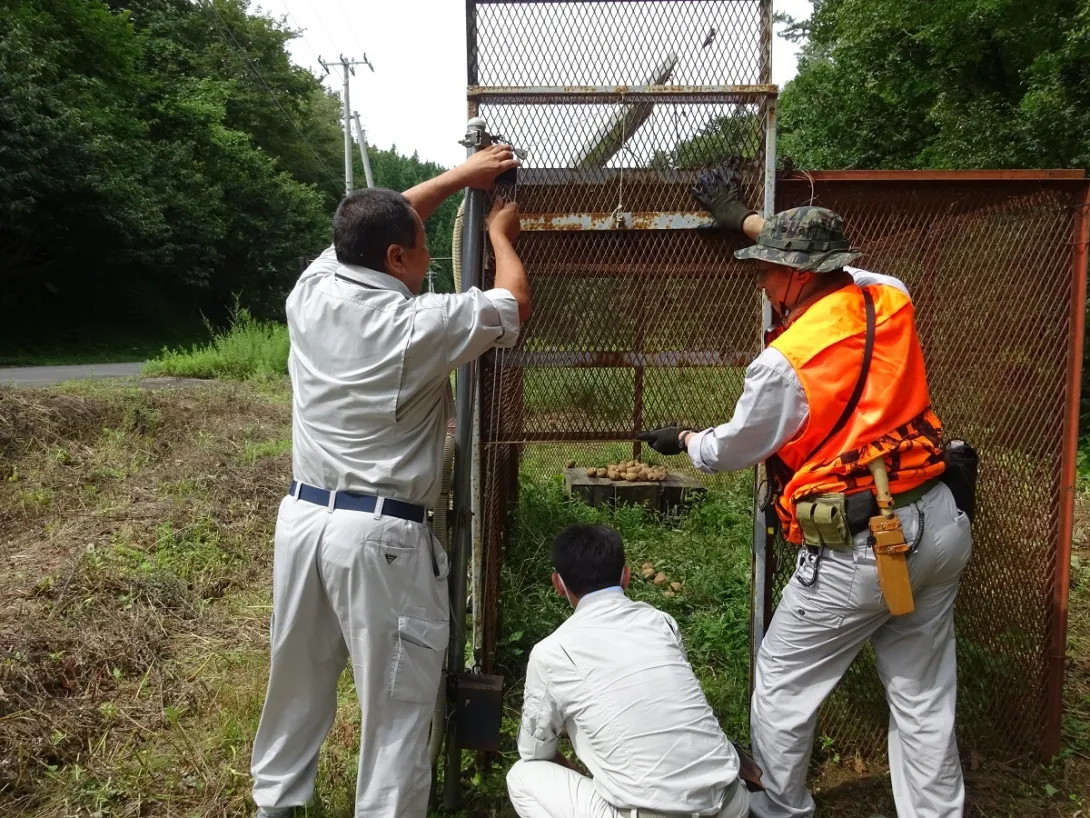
<point>890,546</point>
<point>824,521</point>
<point>960,475</point>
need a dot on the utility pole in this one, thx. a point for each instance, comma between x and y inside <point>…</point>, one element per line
<point>347,66</point>
<point>362,135</point>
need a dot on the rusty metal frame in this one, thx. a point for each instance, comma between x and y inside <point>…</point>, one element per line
<point>591,215</point>
<point>764,93</point>
<point>1051,684</point>
<point>621,93</point>
<point>617,220</point>
<point>1028,175</point>
<point>557,2</point>
<point>638,98</point>
<point>1068,475</point>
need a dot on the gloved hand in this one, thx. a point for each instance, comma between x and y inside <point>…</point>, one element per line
<point>720,192</point>
<point>664,440</point>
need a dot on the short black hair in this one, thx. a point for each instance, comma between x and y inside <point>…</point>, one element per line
<point>367,222</point>
<point>588,558</point>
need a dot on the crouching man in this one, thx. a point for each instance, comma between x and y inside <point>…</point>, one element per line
<point>615,679</point>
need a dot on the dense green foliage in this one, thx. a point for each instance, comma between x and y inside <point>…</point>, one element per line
<point>959,84</point>
<point>160,159</point>
<point>248,349</point>
<point>962,84</point>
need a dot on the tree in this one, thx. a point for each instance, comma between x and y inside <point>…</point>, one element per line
<point>398,172</point>
<point>160,158</point>
<point>966,83</point>
<point>735,134</point>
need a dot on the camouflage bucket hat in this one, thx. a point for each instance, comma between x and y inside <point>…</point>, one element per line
<point>807,238</point>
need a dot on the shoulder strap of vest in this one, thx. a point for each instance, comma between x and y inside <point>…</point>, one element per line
<point>868,350</point>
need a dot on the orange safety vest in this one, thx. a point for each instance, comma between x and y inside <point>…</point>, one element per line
<point>893,418</point>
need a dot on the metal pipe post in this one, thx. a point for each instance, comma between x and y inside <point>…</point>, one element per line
<point>472,247</point>
<point>763,541</point>
<point>1080,248</point>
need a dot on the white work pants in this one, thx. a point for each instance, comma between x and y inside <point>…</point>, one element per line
<point>542,789</point>
<point>348,584</point>
<point>817,631</point>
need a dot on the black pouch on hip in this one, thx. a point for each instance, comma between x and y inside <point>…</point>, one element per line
<point>960,475</point>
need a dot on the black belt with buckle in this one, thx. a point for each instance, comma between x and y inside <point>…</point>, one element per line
<point>352,501</point>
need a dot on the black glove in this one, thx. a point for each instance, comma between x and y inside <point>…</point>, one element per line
<point>720,192</point>
<point>664,440</point>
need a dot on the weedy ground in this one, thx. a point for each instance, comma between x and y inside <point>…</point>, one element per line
<point>136,539</point>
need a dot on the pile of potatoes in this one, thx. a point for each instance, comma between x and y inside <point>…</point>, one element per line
<point>632,471</point>
<point>649,572</point>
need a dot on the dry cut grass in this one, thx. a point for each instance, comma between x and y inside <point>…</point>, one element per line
<point>136,553</point>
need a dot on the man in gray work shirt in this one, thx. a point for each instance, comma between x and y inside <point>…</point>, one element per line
<point>356,572</point>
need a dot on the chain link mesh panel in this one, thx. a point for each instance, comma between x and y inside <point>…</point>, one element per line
<point>603,42</point>
<point>990,268</point>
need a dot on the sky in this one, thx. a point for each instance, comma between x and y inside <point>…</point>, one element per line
<point>414,99</point>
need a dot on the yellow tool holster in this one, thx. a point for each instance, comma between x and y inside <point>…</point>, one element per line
<point>890,546</point>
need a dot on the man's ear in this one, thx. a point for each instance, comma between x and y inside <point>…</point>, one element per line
<point>626,576</point>
<point>395,259</point>
<point>558,585</point>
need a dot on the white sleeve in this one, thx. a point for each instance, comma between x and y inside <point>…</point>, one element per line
<point>453,329</point>
<point>864,278</point>
<point>542,721</point>
<point>675,632</point>
<point>771,411</point>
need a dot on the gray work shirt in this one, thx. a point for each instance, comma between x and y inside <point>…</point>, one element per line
<point>370,370</point>
<point>770,412</point>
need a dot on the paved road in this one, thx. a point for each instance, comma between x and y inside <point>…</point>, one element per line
<point>46,375</point>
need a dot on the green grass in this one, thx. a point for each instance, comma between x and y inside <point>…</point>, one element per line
<point>249,349</point>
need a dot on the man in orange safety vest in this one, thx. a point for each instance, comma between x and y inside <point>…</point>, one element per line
<point>837,405</point>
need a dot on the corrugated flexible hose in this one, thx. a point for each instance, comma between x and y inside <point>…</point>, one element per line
<point>456,247</point>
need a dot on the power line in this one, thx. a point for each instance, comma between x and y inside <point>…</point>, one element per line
<point>348,20</point>
<point>325,30</point>
<point>302,30</point>
<point>225,33</point>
